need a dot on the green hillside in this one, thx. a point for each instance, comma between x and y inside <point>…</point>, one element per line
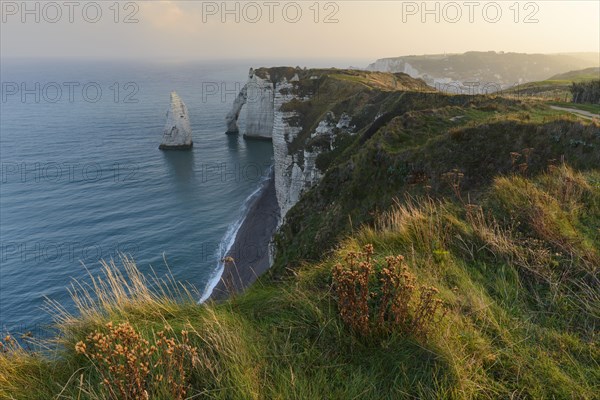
<point>555,88</point>
<point>505,69</point>
<point>587,74</point>
<point>451,250</point>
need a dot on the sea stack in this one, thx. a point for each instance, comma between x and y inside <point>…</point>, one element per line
<point>177,134</point>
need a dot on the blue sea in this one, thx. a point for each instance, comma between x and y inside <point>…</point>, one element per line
<point>83,179</point>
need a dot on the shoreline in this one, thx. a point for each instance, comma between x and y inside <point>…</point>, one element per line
<point>250,249</point>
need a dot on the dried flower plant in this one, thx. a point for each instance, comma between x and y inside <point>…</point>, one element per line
<point>132,367</point>
<point>380,300</point>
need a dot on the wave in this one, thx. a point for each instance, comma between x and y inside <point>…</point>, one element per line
<point>228,239</point>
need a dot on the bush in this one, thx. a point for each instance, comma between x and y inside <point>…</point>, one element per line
<point>131,367</point>
<point>586,92</point>
<point>378,300</point>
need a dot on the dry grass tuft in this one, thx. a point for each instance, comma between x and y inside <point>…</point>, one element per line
<point>425,225</point>
<point>118,290</point>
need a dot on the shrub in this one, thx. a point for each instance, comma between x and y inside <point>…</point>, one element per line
<point>378,300</point>
<point>131,367</point>
<point>586,92</point>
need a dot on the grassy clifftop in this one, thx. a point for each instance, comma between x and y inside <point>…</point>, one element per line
<point>557,87</point>
<point>494,206</point>
<point>588,74</point>
<point>508,68</point>
<point>413,152</point>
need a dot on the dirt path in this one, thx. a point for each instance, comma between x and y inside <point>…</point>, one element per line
<point>581,113</point>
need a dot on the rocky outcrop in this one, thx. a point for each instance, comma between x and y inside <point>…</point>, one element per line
<point>177,134</point>
<point>394,65</point>
<point>257,95</point>
<point>233,115</point>
<point>267,97</point>
<point>264,97</point>
<point>289,177</point>
<point>259,107</point>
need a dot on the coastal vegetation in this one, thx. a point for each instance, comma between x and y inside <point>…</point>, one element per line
<point>579,87</point>
<point>450,250</point>
<point>586,92</point>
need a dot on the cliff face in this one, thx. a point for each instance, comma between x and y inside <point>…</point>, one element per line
<point>259,107</point>
<point>233,115</point>
<point>305,113</point>
<point>257,96</point>
<point>289,180</point>
<point>265,119</point>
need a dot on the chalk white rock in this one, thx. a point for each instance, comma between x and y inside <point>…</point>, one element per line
<point>312,175</point>
<point>325,126</point>
<point>177,134</point>
<point>388,65</point>
<point>257,96</point>
<point>259,108</point>
<point>233,115</point>
<point>288,174</point>
<point>294,173</point>
<point>344,122</point>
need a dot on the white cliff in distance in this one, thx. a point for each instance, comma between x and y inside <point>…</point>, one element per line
<point>265,119</point>
<point>257,96</point>
<point>265,97</point>
<point>177,134</point>
<point>259,107</point>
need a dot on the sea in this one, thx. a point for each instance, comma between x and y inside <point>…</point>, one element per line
<point>83,178</point>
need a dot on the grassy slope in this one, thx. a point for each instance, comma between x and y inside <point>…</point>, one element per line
<point>519,271</point>
<point>412,153</point>
<point>510,66</point>
<point>557,87</point>
<point>587,74</point>
<point>593,108</point>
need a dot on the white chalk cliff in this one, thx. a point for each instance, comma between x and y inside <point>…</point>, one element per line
<point>444,84</point>
<point>177,134</point>
<point>257,96</point>
<point>266,120</point>
<point>289,180</point>
<point>266,117</point>
<point>233,115</point>
<point>481,72</point>
<point>259,107</point>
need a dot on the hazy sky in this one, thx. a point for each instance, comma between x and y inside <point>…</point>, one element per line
<point>355,30</point>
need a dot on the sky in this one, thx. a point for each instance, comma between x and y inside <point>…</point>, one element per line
<point>357,30</point>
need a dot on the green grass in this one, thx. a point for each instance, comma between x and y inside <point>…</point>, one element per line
<point>556,89</point>
<point>588,74</point>
<point>513,326</point>
<point>593,108</point>
<point>413,151</point>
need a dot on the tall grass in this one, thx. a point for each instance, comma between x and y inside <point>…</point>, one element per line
<point>118,290</point>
